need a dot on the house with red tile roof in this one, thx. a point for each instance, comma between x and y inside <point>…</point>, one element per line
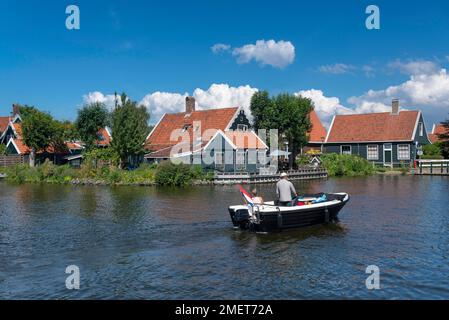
<point>317,134</point>
<point>219,139</point>
<point>437,130</point>
<point>11,136</point>
<point>387,138</point>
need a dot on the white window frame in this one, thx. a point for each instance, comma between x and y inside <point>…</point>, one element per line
<point>219,165</point>
<point>261,154</point>
<point>240,165</point>
<point>403,158</point>
<point>368,154</point>
<point>421,129</point>
<point>346,145</point>
<point>242,127</point>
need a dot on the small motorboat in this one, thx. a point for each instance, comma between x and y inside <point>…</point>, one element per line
<point>304,211</point>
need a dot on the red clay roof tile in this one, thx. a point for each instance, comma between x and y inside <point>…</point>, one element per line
<point>373,127</point>
<point>210,120</point>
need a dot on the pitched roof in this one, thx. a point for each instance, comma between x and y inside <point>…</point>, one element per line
<point>104,137</point>
<point>4,121</point>
<point>318,132</point>
<point>373,127</point>
<point>437,130</point>
<point>246,140</point>
<point>216,119</point>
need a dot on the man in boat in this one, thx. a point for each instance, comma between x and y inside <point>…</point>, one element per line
<point>284,191</point>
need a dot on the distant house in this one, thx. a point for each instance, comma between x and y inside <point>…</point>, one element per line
<point>219,139</point>
<point>16,146</point>
<point>11,137</point>
<point>388,138</point>
<point>437,130</point>
<point>104,137</point>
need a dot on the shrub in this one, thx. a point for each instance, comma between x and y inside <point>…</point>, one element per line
<point>346,165</point>
<point>17,173</point>
<point>432,151</point>
<point>169,174</point>
<point>2,149</point>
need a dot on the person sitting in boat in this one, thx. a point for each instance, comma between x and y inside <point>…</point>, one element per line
<point>256,198</point>
<point>284,191</point>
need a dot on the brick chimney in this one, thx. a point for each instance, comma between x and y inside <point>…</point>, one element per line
<point>395,106</point>
<point>15,110</point>
<point>190,105</point>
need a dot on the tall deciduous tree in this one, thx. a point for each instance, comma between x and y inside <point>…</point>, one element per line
<point>129,129</point>
<point>39,131</point>
<point>445,139</point>
<point>287,113</point>
<point>91,118</point>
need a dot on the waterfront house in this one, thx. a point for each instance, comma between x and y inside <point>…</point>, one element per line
<point>437,130</point>
<point>389,138</point>
<point>15,145</point>
<point>219,139</point>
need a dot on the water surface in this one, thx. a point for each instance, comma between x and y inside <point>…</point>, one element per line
<point>149,243</point>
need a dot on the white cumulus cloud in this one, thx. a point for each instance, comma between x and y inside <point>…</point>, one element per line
<point>325,107</point>
<point>278,54</point>
<point>96,96</point>
<point>426,91</point>
<point>214,97</point>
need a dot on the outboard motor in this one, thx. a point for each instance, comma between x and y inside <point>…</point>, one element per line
<point>240,216</point>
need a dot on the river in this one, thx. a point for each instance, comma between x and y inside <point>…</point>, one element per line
<point>162,243</point>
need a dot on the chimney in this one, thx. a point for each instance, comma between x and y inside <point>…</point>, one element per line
<point>15,110</point>
<point>190,105</point>
<point>395,106</point>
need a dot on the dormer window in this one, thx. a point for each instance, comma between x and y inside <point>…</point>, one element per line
<point>242,127</point>
<point>185,128</point>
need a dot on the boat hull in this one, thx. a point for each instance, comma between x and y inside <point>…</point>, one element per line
<point>274,218</point>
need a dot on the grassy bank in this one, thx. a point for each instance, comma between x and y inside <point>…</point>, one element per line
<point>167,174</point>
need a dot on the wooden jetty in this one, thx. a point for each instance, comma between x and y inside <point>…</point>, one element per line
<point>432,167</point>
<point>268,177</point>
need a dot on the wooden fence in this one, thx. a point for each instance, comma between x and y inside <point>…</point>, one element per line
<point>11,160</point>
<point>305,173</point>
<point>432,167</point>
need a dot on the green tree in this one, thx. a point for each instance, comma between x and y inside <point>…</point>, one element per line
<point>129,129</point>
<point>39,131</point>
<point>294,121</point>
<point>264,111</point>
<point>287,113</point>
<point>25,110</point>
<point>445,139</point>
<point>70,132</point>
<point>91,118</point>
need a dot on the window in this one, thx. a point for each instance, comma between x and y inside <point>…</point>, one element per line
<point>403,152</point>
<point>346,150</point>
<point>219,163</point>
<point>261,158</point>
<point>242,127</point>
<point>240,160</point>
<point>421,129</point>
<point>372,152</point>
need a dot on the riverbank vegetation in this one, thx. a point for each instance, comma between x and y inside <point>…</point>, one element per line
<point>164,174</point>
<point>338,165</point>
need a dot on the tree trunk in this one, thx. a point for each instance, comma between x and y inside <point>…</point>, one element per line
<point>32,157</point>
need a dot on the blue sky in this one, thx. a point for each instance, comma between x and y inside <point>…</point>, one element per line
<point>151,47</point>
